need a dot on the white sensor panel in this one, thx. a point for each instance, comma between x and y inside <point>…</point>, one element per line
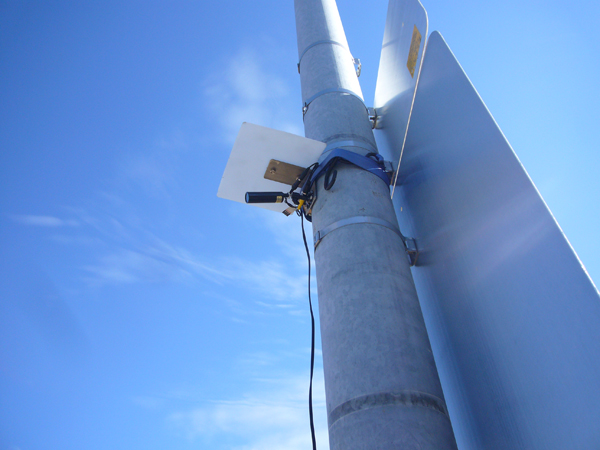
<point>254,148</point>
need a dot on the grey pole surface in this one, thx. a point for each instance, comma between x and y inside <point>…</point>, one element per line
<point>381,383</point>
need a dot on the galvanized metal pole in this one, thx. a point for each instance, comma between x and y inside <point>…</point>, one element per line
<point>382,386</point>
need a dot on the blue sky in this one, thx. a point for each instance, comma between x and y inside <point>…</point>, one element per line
<point>137,309</point>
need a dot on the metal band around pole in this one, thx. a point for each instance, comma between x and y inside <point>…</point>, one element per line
<point>381,399</point>
<point>319,235</point>
<point>330,91</point>
<point>327,41</point>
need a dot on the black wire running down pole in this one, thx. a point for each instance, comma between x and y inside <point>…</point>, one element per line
<point>312,343</point>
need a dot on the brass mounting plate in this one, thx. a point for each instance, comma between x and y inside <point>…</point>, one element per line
<point>283,172</point>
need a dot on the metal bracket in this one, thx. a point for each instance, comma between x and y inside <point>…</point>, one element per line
<point>388,166</point>
<point>358,65</point>
<point>373,117</point>
<point>411,250</point>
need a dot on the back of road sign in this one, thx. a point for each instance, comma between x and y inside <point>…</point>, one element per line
<point>401,59</point>
<point>513,317</point>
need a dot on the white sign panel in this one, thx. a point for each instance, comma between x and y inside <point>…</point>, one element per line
<point>513,318</point>
<point>399,68</point>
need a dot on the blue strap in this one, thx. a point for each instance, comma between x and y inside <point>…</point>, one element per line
<point>364,162</point>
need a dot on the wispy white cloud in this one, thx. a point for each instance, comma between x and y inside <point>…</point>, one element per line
<point>127,266</point>
<point>270,413</point>
<point>252,94</point>
<point>274,416</point>
<point>273,279</point>
<point>44,221</point>
<point>252,91</point>
<point>136,255</point>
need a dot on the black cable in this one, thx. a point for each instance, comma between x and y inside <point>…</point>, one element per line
<point>330,174</point>
<point>312,345</point>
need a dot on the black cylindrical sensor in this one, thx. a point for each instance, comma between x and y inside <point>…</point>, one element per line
<point>265,197</point>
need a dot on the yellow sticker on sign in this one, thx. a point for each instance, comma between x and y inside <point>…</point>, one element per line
<point>413,53</point>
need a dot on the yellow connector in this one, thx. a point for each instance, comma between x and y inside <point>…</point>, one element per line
<point>300,203</point>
